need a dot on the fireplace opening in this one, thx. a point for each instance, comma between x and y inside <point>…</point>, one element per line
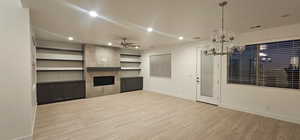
<point>104,80</point>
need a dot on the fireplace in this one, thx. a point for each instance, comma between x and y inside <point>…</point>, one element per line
<point>104,80</point>
<point>102,70</point>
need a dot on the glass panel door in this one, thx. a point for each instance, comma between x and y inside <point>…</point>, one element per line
<point>208,73</point>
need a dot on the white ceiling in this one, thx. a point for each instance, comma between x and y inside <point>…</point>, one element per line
<point>58,19</point>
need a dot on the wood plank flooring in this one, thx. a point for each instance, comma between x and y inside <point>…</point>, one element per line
<point>143,115</point>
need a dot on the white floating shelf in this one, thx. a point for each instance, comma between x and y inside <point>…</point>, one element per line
<point>60,48</point>
<point>129,54</point>
<point>122,61</point>
<point>45,56</point>
<point>130,68</point>
<point>59,69</point>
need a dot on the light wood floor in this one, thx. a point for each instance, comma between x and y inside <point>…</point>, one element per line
<point>142,115</point>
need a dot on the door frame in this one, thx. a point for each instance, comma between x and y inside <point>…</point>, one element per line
<point>216,100</point>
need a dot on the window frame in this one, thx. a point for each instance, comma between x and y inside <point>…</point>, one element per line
<point>169,74</point>
<point>257,68</point>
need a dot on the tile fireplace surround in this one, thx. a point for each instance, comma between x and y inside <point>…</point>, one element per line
<point>101,57</point>
<point>94,91</point>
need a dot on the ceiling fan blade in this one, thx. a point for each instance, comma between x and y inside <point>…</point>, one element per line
<point>126,44</point>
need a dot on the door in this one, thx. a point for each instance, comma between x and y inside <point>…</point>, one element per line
<point>207,79</point>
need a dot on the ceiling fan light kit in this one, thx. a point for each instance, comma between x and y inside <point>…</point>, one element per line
<point>126,44</point>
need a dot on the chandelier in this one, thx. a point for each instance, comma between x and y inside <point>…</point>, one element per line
<point>223,40</point>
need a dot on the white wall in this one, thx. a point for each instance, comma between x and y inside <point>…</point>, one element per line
<point>16,93</point>
<point>278,103</point>
<point>182,83</point>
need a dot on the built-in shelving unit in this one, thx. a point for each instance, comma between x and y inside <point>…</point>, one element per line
<point>130,63</point>
<point>131,78</point>
<point>59,61</point>
<point>60,71</point>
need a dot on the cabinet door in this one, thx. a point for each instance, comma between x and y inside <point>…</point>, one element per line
<point>75,90</point>
<point>60,91</point>
<point>47,93</point>
<point>131,84</point>
<point>140,85</point>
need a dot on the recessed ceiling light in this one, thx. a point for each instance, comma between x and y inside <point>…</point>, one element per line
<point>93,13</point>
<point>70,38</point>
<point>109,43</point>
<point>136,47</point>
<point>149,29</point>
<point>180,38</point>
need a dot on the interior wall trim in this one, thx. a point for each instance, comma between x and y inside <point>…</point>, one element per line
<point>281,117</point>
<point>169,94</point>
<point>29,137</point>
<point>34,119</point>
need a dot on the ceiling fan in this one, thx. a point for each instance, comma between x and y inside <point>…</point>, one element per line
<point>126,44</point>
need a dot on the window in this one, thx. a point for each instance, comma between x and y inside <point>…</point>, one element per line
<point>242,68</point>
<point>271,64</point>
<point>160,65</point>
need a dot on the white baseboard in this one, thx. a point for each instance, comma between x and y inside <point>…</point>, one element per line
<point>34,118</point>
<point>30,137</point>
<point>242,109</point>
<point>262,113</point>
<point>169,94</point>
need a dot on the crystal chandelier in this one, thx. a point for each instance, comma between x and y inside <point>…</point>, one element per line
<point>222,40</point>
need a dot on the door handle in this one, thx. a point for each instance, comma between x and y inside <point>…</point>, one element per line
<point>197,79</point>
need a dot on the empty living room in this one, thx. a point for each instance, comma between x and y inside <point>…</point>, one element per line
<point>150,70</point>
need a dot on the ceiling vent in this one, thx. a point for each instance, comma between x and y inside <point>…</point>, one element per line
<point>255,27</point>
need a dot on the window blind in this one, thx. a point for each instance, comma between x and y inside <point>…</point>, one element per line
<point>273,64</point>
<point>242,66</point>
<point>160,65</point>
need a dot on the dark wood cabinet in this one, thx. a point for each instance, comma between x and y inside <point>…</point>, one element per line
<point>131,84</point>
<point>51,92</point>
